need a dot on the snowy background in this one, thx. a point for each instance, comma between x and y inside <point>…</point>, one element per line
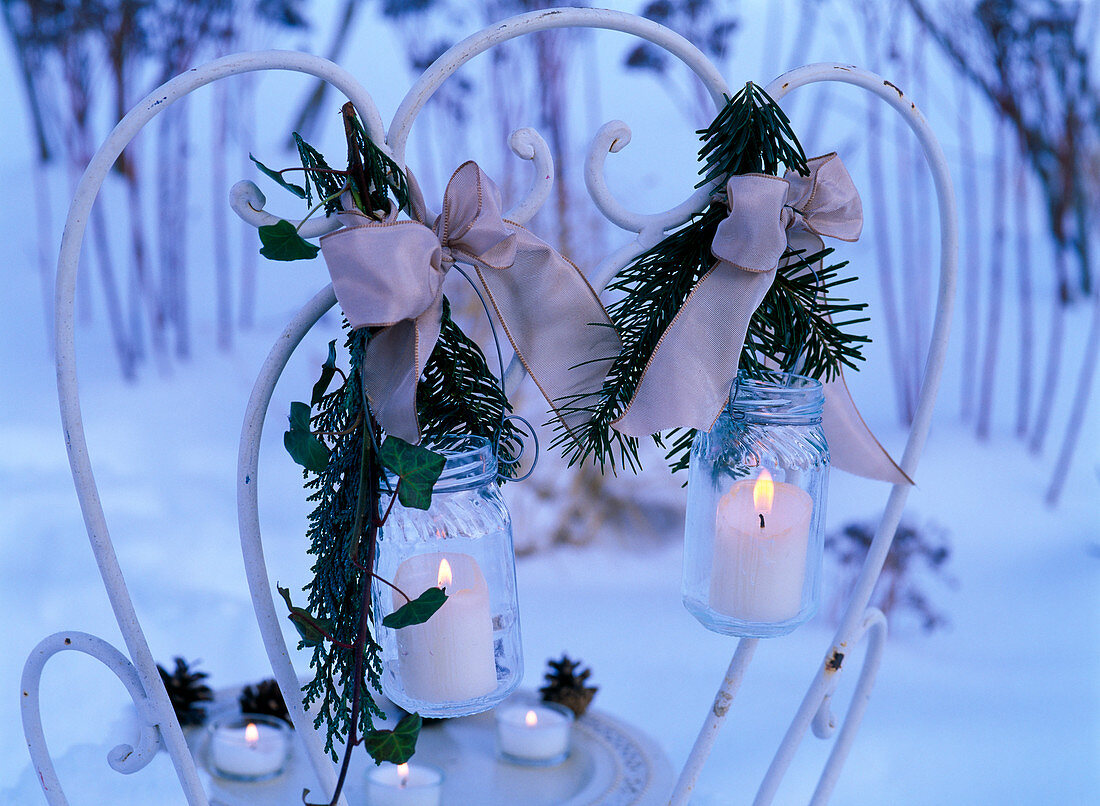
<point>1000,707</point>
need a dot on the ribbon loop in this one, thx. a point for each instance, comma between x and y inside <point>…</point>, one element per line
<point>472,222</point>
<point>390,273</point>
<point>753,236</point>
<point>826,202</point>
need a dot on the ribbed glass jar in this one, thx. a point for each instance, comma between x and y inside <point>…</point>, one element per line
<point>756,509</point>
<point>467,657</point>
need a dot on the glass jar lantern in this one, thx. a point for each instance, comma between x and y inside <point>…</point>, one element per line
<point>756,509</point>
<point>467,657</point>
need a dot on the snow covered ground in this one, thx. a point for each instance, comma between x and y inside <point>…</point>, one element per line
<point>1001,708</point>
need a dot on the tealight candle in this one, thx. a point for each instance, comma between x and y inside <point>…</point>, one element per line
<point>450,656</point>
<point>760,540</point>
<point>534,735</point>
<point>249,747</point>
<point>404,785</point>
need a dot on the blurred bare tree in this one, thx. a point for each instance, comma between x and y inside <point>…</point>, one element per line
<point>891,47</point>
<point>1031,59</point>
<point>83,63</point>
<point>176,37</point>
<point>707,25</point>
<point>25,25</point>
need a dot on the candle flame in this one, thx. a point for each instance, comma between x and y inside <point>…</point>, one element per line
<point>531,719</point>
<point>252,735</point>
<point>763,492</point>
<point>445,576</point>
<point>403,770</point>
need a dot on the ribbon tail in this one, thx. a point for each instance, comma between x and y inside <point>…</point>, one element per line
<point>688,378</point>
<point>555,323</point>
<point>393,362</point>
<point>852,446</point>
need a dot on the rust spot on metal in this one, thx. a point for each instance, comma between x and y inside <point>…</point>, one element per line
<point>894,87</point>
<point>68,641</point>
<point>834,661</point>
<point>722,704</point>
<point>786,84</point>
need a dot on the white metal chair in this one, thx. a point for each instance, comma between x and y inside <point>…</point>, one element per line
<point>137,669</point>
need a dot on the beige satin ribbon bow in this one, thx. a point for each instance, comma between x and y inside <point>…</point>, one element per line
<point>389,274</point>
<point>687,380</point>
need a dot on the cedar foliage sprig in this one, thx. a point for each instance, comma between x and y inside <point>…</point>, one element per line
<point>371,176</point>
<point>336,590</point>
<point>751,134</point>
<point>458,394</point>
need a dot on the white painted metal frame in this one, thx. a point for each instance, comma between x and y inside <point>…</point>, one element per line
<point>138,671</point>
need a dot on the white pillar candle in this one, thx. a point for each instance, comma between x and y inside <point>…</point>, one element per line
<point>761,535</point>
<point>404,785</point>
<point>248,749</point>
<point>535,734</point>
<point>449,657</point>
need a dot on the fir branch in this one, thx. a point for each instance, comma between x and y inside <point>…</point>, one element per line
<point>320,178</point>
<point>794,327</point>
<point>654,288</point>
<point>792,330</point>
<point>751,134</point>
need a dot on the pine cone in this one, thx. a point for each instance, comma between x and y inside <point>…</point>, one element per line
<point>186,692</point>
<point>264,698</point>
<point>565,685</point>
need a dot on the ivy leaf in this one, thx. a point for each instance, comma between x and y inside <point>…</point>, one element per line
<point>328,369</point>
<point>304,448</point>
<point>417,611</point>
<point>419,468</point>
<point>281,241</point>
<point>397,745</point>
<point>299,416</point>
<point>314,631</point>
<point>297,190</point>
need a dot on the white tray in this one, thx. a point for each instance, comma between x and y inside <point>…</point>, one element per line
<point>611,764</point>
